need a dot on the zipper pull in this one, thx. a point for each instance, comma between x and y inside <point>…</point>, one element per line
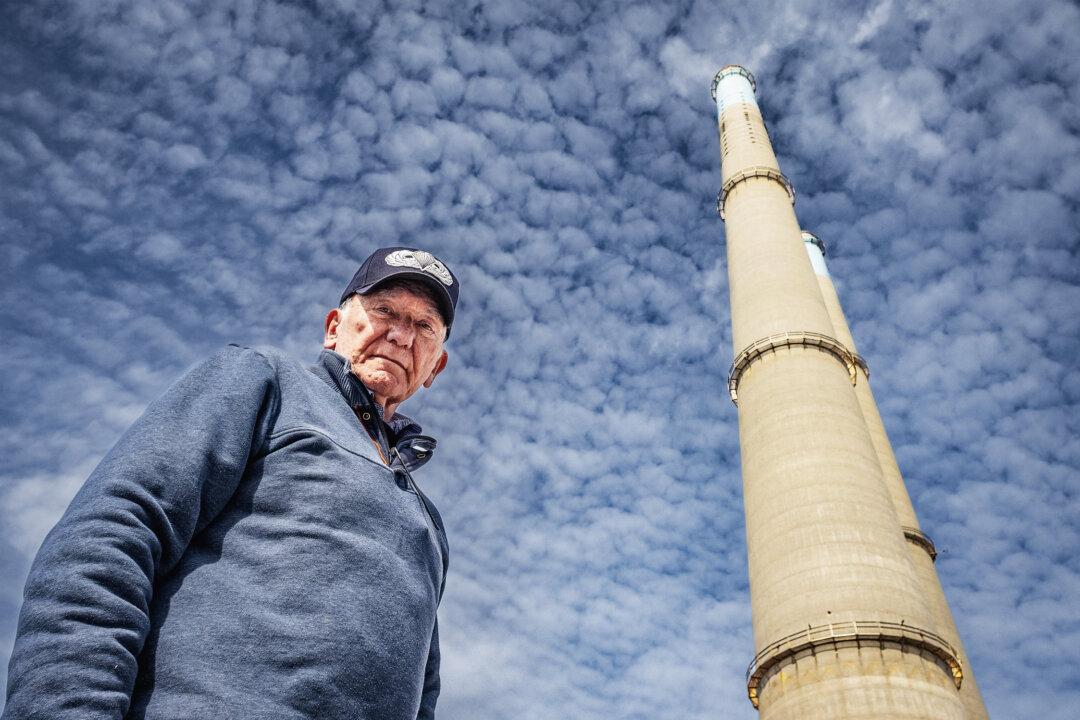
<point>401,472</point>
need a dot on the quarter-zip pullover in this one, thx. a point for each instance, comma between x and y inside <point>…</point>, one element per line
<point>244,551</point>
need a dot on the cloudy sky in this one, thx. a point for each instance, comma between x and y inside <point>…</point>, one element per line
<point>179,175</point>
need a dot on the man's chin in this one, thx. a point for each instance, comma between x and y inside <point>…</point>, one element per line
<point>380,382</point>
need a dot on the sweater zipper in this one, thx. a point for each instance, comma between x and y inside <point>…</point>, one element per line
<point>394,454</point>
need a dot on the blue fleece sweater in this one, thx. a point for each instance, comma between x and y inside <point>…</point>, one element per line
<point>244,551</point>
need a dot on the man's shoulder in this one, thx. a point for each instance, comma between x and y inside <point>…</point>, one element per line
<point>258,354</point>
<point>251,362</point>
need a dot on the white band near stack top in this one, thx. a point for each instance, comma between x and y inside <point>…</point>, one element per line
<point>814,248</point>
<point>732,90</point>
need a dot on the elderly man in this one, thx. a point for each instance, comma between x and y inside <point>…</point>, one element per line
<point>255,546</point>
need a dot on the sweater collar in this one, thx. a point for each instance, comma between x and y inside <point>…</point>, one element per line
<point>337,372</point>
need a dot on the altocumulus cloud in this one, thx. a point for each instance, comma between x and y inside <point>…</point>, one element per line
<point>181,175</point>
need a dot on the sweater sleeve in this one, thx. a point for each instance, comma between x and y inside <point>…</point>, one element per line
<point>85,612</point>
<point>431,678</point>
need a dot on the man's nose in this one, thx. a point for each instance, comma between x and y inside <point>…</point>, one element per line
<point>401,333</point>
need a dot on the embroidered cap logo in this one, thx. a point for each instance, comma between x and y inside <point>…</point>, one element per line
<point>421,260</point>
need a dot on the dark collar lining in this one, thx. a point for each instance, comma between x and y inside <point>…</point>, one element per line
<point>335,370</point>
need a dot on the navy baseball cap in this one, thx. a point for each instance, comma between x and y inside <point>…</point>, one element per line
<point>403,262</point>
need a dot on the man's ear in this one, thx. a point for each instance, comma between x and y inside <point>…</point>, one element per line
<point>439,367</point>
<point>333,319</point>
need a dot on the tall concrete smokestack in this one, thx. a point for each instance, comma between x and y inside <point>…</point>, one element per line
<point>840,626</point>
<point>922,550</point>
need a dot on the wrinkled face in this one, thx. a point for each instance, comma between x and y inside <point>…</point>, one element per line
<point>392,338</point>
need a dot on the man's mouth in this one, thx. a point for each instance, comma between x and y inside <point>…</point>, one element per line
<point>392,360</point>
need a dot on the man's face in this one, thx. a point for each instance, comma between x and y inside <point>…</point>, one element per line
<point>392,338</point>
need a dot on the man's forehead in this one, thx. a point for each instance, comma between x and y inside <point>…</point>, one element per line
<point>399,293</point>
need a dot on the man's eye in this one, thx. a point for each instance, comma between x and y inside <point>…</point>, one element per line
<point>427,327</point>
